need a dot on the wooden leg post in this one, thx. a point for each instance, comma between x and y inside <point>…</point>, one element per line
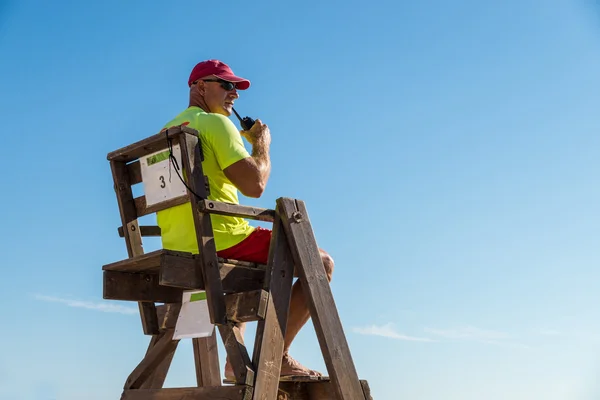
<point>206,359</point>
<point>328,326</point>
<point>270,333</point>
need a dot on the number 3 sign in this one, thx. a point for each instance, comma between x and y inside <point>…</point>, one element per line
<point>161,182</point>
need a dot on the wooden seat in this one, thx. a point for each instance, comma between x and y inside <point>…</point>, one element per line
<point>236,291</point>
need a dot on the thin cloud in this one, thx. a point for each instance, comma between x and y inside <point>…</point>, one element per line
<point>471,333</point>
<point>104,307</point>
<point>389,332</point>
<point>468,332</point>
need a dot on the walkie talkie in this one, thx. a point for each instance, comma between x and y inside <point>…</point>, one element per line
<point>245,122</point>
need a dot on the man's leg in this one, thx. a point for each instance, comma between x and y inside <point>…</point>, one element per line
<point>257,250</point>
<point>299,315</point>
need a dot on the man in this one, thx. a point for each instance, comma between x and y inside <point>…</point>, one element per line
<point>230,168</point>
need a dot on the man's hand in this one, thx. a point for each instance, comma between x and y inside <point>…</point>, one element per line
<point>251,174</point>
<point>259,134</point>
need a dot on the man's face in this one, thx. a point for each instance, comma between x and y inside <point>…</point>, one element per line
<point>218,98</point>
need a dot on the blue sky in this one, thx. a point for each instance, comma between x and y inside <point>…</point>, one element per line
<point>446,151</point>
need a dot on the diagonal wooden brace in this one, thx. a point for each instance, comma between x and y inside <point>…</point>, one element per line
<point>323,311</point>
<point>154,357</point>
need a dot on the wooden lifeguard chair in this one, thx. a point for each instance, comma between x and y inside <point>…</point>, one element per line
<point>236,291</point>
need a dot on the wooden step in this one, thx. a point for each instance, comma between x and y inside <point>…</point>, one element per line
<point>311,390</point>
<point>197,393</point>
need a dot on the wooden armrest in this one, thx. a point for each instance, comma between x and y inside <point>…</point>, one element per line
<point>234,210</point>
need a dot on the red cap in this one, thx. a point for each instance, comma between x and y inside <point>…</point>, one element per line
<point>218,69</point>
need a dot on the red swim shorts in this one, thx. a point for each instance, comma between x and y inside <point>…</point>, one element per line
<point>255,248</point>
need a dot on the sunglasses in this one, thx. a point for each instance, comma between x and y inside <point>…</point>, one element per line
<point>224,84</point>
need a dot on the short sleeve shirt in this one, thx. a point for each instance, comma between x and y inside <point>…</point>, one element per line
<point>222,146</point>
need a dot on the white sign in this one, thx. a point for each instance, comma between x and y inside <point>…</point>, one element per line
<point>194,319</point>
<point>160,178</point>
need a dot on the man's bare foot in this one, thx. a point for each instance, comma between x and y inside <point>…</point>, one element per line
<point>289,366</point>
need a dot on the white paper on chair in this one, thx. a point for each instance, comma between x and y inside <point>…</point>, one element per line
<point>194,319</point>
<point>161,182</point>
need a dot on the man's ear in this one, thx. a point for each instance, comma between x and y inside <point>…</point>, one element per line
<point>200,87</point>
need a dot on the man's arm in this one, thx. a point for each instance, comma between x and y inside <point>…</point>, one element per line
<point>250,175</point>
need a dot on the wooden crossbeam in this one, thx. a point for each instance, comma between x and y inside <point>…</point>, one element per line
<point>319,390</point>
<point>239,392</point>
<point>145,230</point>
<point>150,144</point>
<point>241,307</point>
<point>127,286</point>
<point>233,278</point>
<point>235,210</point>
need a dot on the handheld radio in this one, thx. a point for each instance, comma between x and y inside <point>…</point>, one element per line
<point>245,122</point>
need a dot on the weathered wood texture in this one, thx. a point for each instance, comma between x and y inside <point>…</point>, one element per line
<point>145,263</point>
<point>234,210</point>
<point>328,326</point>
<point>126,286</point>
<point>145,230</point>
<point>191,393</point>
<point>206,361</point>
<point>154,357</point>
<point>237,354</point>
<point>150,144</point>
<point>321,390</point>
<point>233,278</point>
<point>133,239</point>
<point>268,346</point>
<point>142,209</point>
<point>241,307</point>
<point>157,379</point>
<point>209,267</point>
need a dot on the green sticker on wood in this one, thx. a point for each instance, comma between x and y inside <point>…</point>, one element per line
<point>198,296</point>
<point>158,158</point>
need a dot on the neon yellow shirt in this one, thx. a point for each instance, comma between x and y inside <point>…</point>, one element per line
<point>222,146</point>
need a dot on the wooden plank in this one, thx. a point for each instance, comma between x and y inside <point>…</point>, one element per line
<point>234,210</point>
<point>142,209</point>
<point>151,262</point>
<point>134,170</point>
<point>133,239</point>
<point>206,361</point>
<point>157,379</point>
<point>145,230</point>
<point>237,354</point>
<point>268,346</point>
<point>241,307</point>
<point>149,145</point>
<point>328,326</point>
<point>246,306</point>
<point>320,390</point>
<point>154,357</point>
<point>209,267</point>
<point>195,393</point>
<point>139,287</point>
<point>234,279</point>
